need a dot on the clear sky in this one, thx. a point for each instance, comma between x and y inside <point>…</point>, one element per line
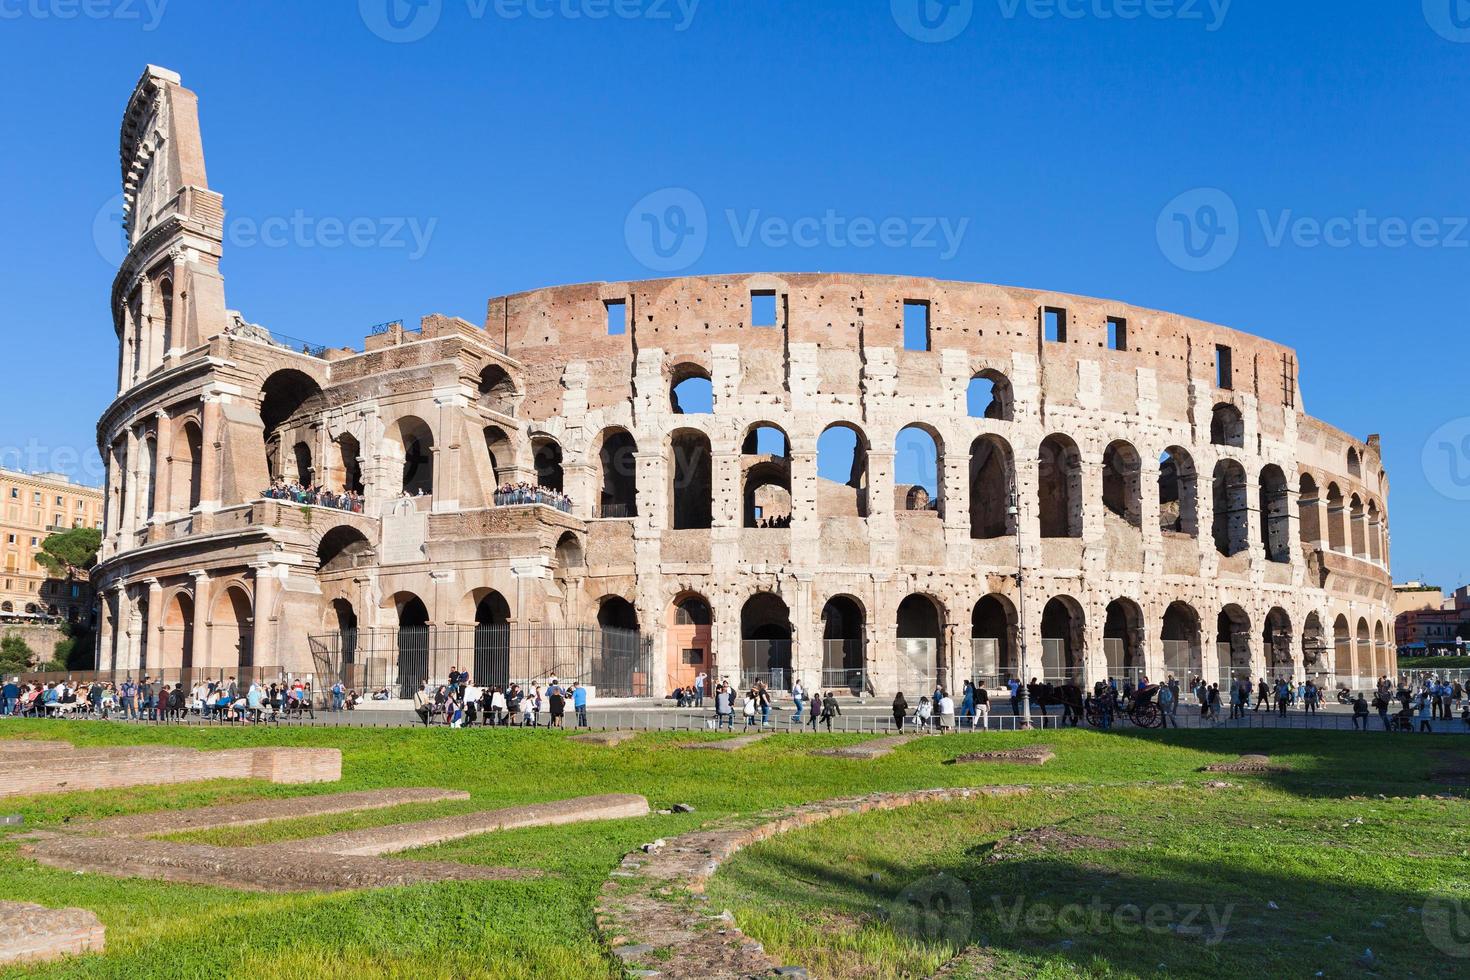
<point>1314,153</point>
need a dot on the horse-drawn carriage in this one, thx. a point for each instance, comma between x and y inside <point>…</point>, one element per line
<point>1106,708</point>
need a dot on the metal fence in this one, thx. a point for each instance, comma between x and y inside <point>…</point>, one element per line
<point>187,676</point>
<point>615,662</point>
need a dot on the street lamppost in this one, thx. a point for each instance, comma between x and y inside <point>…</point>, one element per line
<point>1013,510</point>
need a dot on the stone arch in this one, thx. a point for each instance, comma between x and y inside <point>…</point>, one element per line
<point>1231,528</point>
<point>411,441</point>
<point>347,473</point>
<point>491,664</point>
<point>691,489</point>
<point>342,549</point>
<point>691,391</point>
<point>1374,532</point>
<point>1337,538</point>
<point>501,453</point>
<point>189,463</point>
<point>232,626</point>
<point>546,454</point>
<point>1309,512</point>
<point>992,486</point>
<point>765,641</point>
<point>990,396</point>
<point>1354,463</point>
<point>1276,642</point>
<point>1233,643</point>
<point>1183,648</point>
<point>1314,645</point>
<point>304,469</point>
<point>177,644</point>
<point>1178,492</point>
<point>1122,482</point>
<point>1275,514</point>
<point>411,665</point>
<point>497,390</point>
<point>571,557</point>
<point>617,464</point>
<point>1123,640</point>
<point>1359,532</point>
<point>286,397</point>
<point>1059,487</point>
<point>844,645</point>
<point>842,470</point>
<point>1343,653</point>
<point>150,450</point>
<point>1227,426</point>
<point>1363,659</point>
<point>689,638</point>
<point>923,660</point>
<point>993,641</point>
<point>1063,641</point>
<point>765,463</point>
<point>919,465</point>
<point>1380,651</point>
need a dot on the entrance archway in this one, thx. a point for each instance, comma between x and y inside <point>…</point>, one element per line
<point>993,643</point>
<point>1123,641</point>
<point>689,626</point>
<point>843,646</point>
<point>1063,641</point>
<point>765,642</point>
<point>492,640</point>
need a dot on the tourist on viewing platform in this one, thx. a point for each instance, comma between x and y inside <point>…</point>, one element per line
<point>901,710</point>
<point>313,496</point>
<point>525,494</point>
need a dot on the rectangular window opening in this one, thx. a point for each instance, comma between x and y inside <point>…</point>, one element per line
<point>1224,373</point>
<point>1055,321</point>
<point>617,317</point>
<point>763,308</point>
<point>1117,333</point>
<point>915,324</point>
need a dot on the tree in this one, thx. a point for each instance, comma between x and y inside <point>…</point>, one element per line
<point>70,554</point>
<point>15,655</point>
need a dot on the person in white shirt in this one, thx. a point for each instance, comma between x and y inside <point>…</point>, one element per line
<point>946,712</point>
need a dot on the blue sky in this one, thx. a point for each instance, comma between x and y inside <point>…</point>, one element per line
<point>1046,143</point>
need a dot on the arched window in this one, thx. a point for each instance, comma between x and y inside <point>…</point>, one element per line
<point>1059,482</point>
<point>502,456</point>
<point>1232,511</point>
<point>917,468</point>
<point>992,482</point>
<point>349,460</point>
<point>1122,482</point>
<point>191,460</point>
<point>1354,462</point>
<point>1309,512</point>
<point>497,390</point>
<point>766,474</point>
<point>1227,426</point>
<point>617,459</point>
<point>1375,532</point>
<point>842,471</point>
<point>305,473</point>
<point>1359,526</point>
<point>692,485</point>
<point>690,390</point>
<point>1336,519</point>
<point>341,549</point>
<point>546,453</point>
<point>287,399</point>
<point>989,397</point>
<point>1275,515</point>
<point>415,441</point>
<point>1178,492</point>
<point>166,298</point>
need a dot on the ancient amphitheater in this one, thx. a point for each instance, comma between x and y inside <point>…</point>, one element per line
<point>863,481</point>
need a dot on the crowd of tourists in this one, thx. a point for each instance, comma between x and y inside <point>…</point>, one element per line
<point>154,700</point>
<point>461,703</point>
<point>521,494</point>
<point>779,522</point>
<point>295,493</point>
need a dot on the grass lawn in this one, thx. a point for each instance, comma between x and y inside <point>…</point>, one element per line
<point>1153,833</point>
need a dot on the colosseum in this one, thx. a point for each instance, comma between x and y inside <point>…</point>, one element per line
<point>861,481</point>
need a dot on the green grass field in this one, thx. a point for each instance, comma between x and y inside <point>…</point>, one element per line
<point>1433,663</point>
<point>1291,837</point>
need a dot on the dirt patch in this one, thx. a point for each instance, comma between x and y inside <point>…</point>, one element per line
<point>262,811</point>
<point>604,738</point>
<point>728,744</point>
<point>1046,841</point>
<point>1031,755</point>
<point>872,749</point>
<point>1246,764</point>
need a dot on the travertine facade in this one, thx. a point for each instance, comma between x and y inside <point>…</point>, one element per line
<point>1175,508</point>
